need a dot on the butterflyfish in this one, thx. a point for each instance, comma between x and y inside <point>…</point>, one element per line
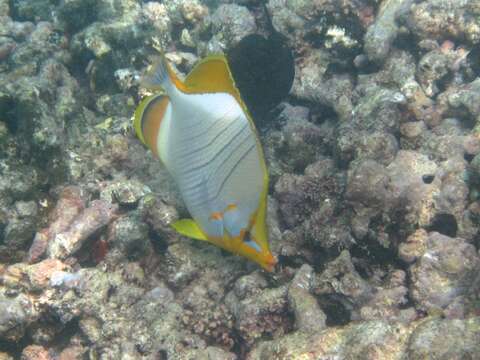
<point>204,135</point>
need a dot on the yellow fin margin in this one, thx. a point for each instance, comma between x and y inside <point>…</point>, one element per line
<point>189,228</point>
<point>137,122</point>
<point>211,75</point>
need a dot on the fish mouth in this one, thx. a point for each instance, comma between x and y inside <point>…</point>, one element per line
<point>270,263</point>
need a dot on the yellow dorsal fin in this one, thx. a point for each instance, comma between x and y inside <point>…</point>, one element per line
<point>212,75</point>
<point>189,228</point>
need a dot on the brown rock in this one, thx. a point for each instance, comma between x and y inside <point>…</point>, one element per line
<point>39,274</point>
<point>71,202</point>
<point>35,352</point>
<point>413,247</point>
<point>99,214</point>
<point>72,353</point>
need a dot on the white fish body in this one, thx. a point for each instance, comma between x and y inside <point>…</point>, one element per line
<point>210,147</point>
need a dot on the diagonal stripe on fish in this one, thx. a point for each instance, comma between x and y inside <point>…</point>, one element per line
<point>203,133</point>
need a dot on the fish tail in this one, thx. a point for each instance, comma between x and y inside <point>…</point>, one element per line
<point>158,75</point>
<point>161,76</point>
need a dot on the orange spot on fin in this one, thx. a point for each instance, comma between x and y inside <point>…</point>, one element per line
<point>216,216</point>
<point>231,207</point>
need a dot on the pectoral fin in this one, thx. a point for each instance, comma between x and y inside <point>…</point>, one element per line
<point>189,228</point>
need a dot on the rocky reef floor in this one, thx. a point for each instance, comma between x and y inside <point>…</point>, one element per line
<point>374,201</point>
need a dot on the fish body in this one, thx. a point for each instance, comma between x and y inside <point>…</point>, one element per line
<point>203,133</point>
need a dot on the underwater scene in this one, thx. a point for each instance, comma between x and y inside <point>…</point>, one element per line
<point>239,179</point>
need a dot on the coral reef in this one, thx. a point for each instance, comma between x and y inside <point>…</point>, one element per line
<point>373,207</point>
<point>444,272</point>
<point>379,340</point>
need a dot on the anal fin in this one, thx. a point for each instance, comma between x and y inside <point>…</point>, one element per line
<point>189,228</point>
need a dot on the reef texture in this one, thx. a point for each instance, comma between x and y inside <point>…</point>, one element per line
<point>374,204</point>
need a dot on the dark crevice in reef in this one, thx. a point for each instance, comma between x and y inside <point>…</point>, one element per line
<point>177,33</point>
<point>15,348</point>
<point>14,16</point>
<point>443,83</point>
<point>473,60</point>
<point>291,261</point>
<point>8,109</point>
<point>468,122</point>
<point>85,14</point>
<point>162,355</point>
<point>259,61</point>
<point>370,249</point>
<point>428,179</point>
<point>337,309</point>
<point>319,113</point>
<point>3,225</point>
<point>445,224</point>
<point>468,157</point>
<point>91,253</point>
<point>476,241</point>
<point>240,348</point>
<point>408,281</point>
<point>78,68</point>
<point>322,256</point>
<point>159,244</point>
<point>408,42</point>
<point>63,338</point>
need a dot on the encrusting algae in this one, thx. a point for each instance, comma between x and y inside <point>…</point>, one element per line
<point>203,133</point>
